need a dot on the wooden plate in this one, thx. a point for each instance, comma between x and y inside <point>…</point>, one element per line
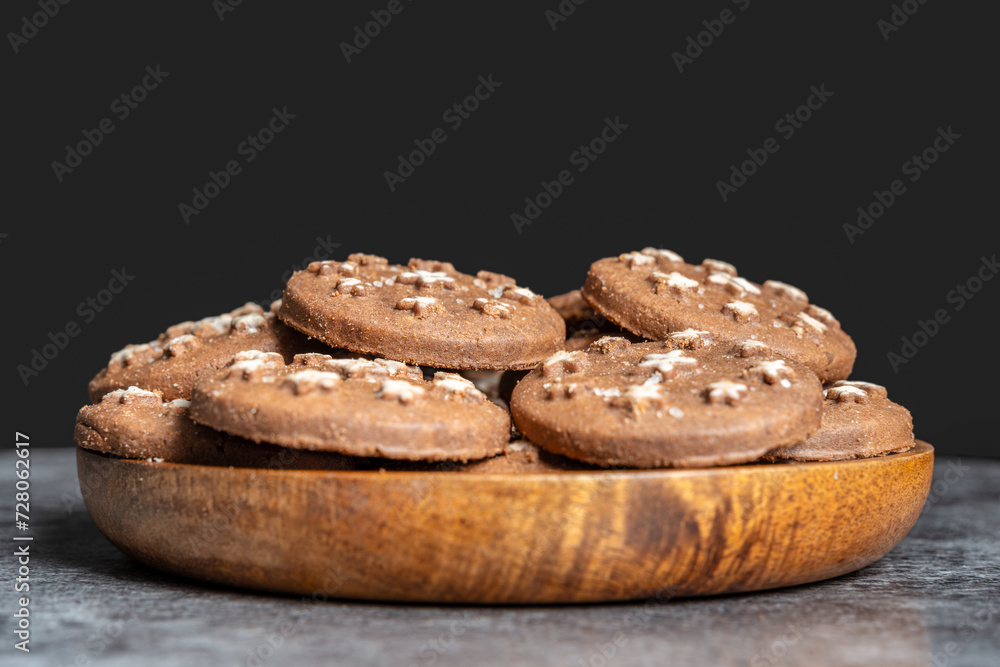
<point>488,538</point>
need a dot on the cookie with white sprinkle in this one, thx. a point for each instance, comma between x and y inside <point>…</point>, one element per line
<point>135,423</point>
<point>426,313</point>
<point>655,292</point>
<point>174,361</point>
<point>358,407</point>
<point>691,401</point>
<point>859,421</point>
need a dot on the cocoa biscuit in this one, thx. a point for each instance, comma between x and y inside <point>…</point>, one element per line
<point>137,424</point>
<point>357,407</point>
<point>690,401</point>
<point>859,421</point>
<point>426,313</point>
<point>174,361</point>
<point>654,293</point>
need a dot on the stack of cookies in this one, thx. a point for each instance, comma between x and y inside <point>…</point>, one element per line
<point>365,365</point>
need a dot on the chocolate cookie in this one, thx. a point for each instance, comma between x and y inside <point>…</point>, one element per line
<point>137,424</point>
<point>859,421</point>
<point>654,293</point>
<point>687,402</point>
<point>426,313</point>
<point>357,407</point>
<point>174,361</point>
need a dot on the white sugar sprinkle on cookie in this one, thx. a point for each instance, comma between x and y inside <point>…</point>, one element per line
<point>773,370</point>
<point>493,308</point>
<point>666,363</point>
<point>310,380</point>
<point>691,339</point>
<point>422,306</point>
<point>753,348</point>
<point>718,266</point>
<point>726,391</point>
<point>668,255</point>
<point>400,390</point>
<point>785,290</point>
<point>847,394</point>
<point>635,260</point>
<point>674,281</point>
<point>871,388</point>
<point>741,311</point>
<point>455,384</point>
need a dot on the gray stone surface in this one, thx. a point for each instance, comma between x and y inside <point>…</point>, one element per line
<point>939,591</point>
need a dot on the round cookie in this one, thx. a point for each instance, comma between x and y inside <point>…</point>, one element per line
<point>137,424</point>
<point>654,293</point>
<point>859,421</point>
<point>357,407</point>
<point>426,313</point>
<point>174,361</point>
<point>691,401</point>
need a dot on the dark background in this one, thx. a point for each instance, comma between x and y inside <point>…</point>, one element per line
<point>322,177</point>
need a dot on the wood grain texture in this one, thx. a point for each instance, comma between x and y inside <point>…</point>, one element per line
<point>481,538</point>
